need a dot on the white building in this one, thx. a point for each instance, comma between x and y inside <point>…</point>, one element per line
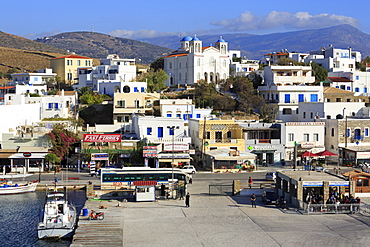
<point>192,62</point>
<point>286,86</point>
<point>111,70</point>
<point>49,106</point>
<point>355,81</point>
<point>334,59</point>
<point>274,57</point>
<point>182,108</point>
<point>39,78</point>
<point>308,136</point>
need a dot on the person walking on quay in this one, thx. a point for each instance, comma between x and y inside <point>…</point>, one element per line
<point>250,182</point>
<point>187,200</point>
<point>190,179</point>
<point>253,200</point>
<point>181,193</point>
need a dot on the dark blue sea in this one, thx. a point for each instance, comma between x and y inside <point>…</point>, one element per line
<point>19,216</point>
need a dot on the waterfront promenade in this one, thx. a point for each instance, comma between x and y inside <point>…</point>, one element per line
<point>217,221</point>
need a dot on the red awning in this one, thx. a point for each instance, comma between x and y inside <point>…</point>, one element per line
<point>308,154</point>
<point>326,153</point>
<point>145,183</point>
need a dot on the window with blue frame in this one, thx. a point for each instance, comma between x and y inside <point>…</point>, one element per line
<point>336,86</point>
<point>149,131</point>
<point>50,105</point>
<point>348,88</point>
<point>190,115</point>
<point>171,131</point>
<point>357,90</point>
<point>198,115</point>
<point>366,132</point>
<point>169,115</point>
<point>160,132</point>
<point>287,98</point>
<point>314,98</point>
<point>348,132</point>
<point>178,115</point>
<point>357,77</point>
<point>365,89</point>
<point>300,98</point>
<point>185,117</point>
<point>142,89</point>
<point>135,90</point>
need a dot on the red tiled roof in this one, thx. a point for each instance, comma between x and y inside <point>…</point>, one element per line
<point>277,54</point>
<point>6,87</point>
<point>177,55</point>
<point>206,47</point>
<point>72,56</point>
<point>339,79</point>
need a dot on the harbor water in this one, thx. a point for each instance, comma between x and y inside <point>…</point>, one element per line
<point>19,215</point>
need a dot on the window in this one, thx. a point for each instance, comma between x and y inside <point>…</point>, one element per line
<point>332,131</point>
<point>348,132</point>
<point>300,98</point>
<point>304,114</point>
<point>287,111</point>
<point>316,137</point>
<point>119,119</point>
<point>180,77</point>
<point>127,119</point>
<point>306,137</point>
<point>311,114</point>
<point>287,98</point>
<point>160,132</point>
<point>135,90</point>
<point>198,115</point>
<point>149,131</point>
<point>185,117</point>
<point>228,134</point>
<point>121,103</point>
<point>314,97</point>
<point>208,135</point>
<point>178,115</point>
<point>350,66</point>
<point>78,62</point>
<point>169,115</point>
<point>142,89</point>
<point>348,88</point>
<point>290,137</point>
<point>69,76</point>
<point>297,111</point>
<point>357,90</point>
<point>365,90</point>
<point>366,132</point>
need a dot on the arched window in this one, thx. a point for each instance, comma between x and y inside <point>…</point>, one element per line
<point>224,62</point>
<point>170,65</point>
<point>180,77</point>
<point>126,89</point>
<point>198,62</point>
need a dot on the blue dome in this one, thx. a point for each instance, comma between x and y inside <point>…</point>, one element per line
<point>221,40</point>
<point>187,38</point>
<point>196,39</point>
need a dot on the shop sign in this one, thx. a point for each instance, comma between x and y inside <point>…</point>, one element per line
<point>304,123</point>
<point>312,183</point>
<point>102,138</point>
<point>99,156</point>
<point>176,147</point>
<point>339,183</point>
<point>27,154</point>
<point>308,144</point>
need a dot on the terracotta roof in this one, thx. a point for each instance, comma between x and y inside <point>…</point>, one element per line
<point>277,54</point>
<point>206,47</point>
<point>67,92</point>
<point>339,79</point>
<point>178,55</point>
<point>72,56</point>
<point>333,90</point>
<point>355,173</point>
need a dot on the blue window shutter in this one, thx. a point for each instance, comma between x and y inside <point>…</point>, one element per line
<point>365,89</point>
<point>171,131</point>
<point>366,132</point>
<point>169,115</point>
<point>348,88</point>
<point>149,131</point>
<point>190,115</point>
<point>287,98</point>
<point>160,131</point>
<point>348,132</point>
<point>50,105</point>
<point>198,115</point>
<point>184,116</point>
<point>56,106</point>
<point>300,98</point>
<point>142,89</point>
<point>135,89</point>
<point>314,98</point>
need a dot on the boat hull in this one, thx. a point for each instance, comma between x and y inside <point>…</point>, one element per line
<point>55,233</point>
<point>26,188</point>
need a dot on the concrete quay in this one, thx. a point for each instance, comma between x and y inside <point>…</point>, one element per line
<point>216,221</point>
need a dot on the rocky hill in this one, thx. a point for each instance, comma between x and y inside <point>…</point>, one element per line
<point>255,46</point>
<point>99,45</point>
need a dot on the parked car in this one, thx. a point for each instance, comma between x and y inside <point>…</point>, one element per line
<point>189,169</point>
<point>271,176</point>
<point>270,197</point>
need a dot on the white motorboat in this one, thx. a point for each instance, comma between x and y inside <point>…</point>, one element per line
<point>58,217</point>
<point>8,186</point>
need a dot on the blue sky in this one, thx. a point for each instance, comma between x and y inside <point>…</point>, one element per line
<point>148,18</point>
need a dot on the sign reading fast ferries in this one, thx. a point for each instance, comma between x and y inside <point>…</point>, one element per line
<point>102,138</point>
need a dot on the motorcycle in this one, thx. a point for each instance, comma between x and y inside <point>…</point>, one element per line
<point>96,215</point>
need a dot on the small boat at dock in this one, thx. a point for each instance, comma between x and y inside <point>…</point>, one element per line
<point>8,186</point>
<point>57,218</point>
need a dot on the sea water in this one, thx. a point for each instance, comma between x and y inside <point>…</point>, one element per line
<point>19,215</point>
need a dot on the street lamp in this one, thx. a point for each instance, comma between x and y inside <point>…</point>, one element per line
<point>172,132</point>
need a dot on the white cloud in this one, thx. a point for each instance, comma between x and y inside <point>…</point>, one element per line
<point>300,20</point>
<point>144,33</point>
<point>33,36</point>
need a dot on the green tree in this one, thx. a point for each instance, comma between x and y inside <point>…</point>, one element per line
<point>157,64</point>
<point>288,61</point>
<point>52,159</point>
<point>156,80</point>
<point>92,98</point>
<point>319,72</point>
<point>61,140</point>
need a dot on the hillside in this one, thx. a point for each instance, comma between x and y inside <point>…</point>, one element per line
<point>99,45</point>
<point>17,42</point>
<point>255,46</point>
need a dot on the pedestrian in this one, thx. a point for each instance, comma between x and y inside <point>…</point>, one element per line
<point>187,200</point>
<point>253,200</point>
<point>190,179</point>
<point>250,182</point>
<point>181,193</point>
